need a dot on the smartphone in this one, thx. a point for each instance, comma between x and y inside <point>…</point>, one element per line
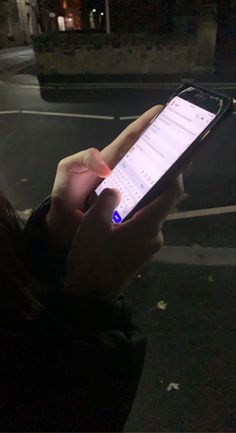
<point>164,148</point>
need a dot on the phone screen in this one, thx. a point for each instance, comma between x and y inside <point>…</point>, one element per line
<point>156,150</point>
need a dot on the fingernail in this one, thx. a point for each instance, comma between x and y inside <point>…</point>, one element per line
<point>115,193</point>
<point>104,167</point>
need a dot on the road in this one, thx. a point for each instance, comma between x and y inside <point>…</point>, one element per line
<point>15,57</point>
<point>191,340</point>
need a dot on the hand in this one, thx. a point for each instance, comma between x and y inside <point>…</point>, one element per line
<point>104,256</point>
<point>78,175</point>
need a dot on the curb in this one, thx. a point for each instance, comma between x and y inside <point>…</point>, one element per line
<point>116,85</point>
<point>16,48</point>
<point>200,256</point>
<point>14,69</point>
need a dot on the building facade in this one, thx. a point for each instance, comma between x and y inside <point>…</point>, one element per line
<point>28,12</point>
<point>73,15</point>
<point>9,23</point>
<point>19,21</point>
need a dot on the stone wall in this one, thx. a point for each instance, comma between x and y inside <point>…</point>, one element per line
<point>71,54</point>
<point>116,54</point>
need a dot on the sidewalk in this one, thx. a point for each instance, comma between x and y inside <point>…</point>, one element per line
<point>10,49</point>
<point>14,60</point>
<point>188,314</point>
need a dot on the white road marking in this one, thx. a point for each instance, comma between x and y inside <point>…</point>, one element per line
<point>48,113</point>
<point>82,116</point>
<point>10,112</point>
<point>218,85</point>
<point>201,256</point>
<point>32,86</point>
<point>202,212</point>
<point>128,117</point>
<point>225,86</point>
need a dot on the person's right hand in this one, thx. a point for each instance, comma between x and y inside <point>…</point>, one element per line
<point>104,256</point>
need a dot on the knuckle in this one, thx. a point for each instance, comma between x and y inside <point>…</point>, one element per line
<point>152,246</point>
<point>160,239</point>
<point>91,151</point>
<point>176,192</point>
<point>131,135</point>
<point>179,186</point>
<point>89,156</point>
<point>153,230</point>
<point>157,243</point>
<point>63,163</point>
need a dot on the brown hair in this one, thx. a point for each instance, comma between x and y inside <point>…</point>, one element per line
<point>16,301</point>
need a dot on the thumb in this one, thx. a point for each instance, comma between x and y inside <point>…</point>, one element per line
<point>104,206</point>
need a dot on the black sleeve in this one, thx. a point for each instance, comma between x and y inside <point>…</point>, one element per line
<point>76,367</point>
<point>44,261</point>
<point>107,355</point>
<point>86,355</point>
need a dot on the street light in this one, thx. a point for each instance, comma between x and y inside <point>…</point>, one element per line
<point>100,18</point>
<point>91,18</point>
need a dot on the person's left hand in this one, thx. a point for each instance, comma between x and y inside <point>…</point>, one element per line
<point>78,175</point>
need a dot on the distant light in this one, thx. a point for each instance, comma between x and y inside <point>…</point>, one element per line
<point>94,10</point>
<point>102,13</point>
<point>61,23</point>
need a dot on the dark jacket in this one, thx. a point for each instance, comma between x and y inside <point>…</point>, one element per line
<point>76,365</point>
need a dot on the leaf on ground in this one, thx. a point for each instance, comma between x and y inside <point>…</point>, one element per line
<point>161,305</point>
<point>211,279</point>
<point>173,386</point>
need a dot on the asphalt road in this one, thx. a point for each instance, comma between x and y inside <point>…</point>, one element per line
<point>15,57</point>
<point>191,341</point>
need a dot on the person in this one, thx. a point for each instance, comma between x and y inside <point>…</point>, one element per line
<point>70,356</point>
